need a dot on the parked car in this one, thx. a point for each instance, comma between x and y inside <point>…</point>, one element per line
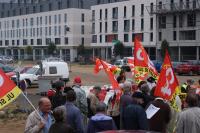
<point>6,68</point>
<point>175,64</point>
<point>123,63</point>
<point>19,69</point>
<point>6,59</point>
<point>189,67</point>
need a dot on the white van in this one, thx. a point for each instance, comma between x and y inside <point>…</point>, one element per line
<point>49,68</point>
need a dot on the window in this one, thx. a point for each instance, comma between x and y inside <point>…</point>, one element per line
<point>20,11</point>
<point>59,18</point>
<point>59,30</point>
<point>174,35</point>
<point>31,21</point>
<point>151,37</point>
<point>133,24</point>
<point>160,36</point>
<point>115,26</point>
<point>106,27</point>
<point>39,41</point>
<point>142,24</point>
<point>181,4</point>
<point>82,17</point>
<point>151,23</point>
<point>59,5</point>
<point>40,20</point>
<point>100,14</point>
<point>82,29</point>
<point>124,11</point>
<point>6,42</point>
<point>48,41</point>
<point>66,40</point>
<point>187,35</point>
<point>174,21</point>
<point>49,19</point>
<point>34,9</point>
<point>93,28</point>
<point>57,41</point>
<point>1,42</point>
<point>142,9</point>
<point>82,41</point>
<point>24,42</point>
<point>65,18</point>
<point>52,70</point>
<point>194,4</point>
<point>151,8</point>
<point>93,14</point>
<point>100,38</point>
<point>13,42</point>
<point>180,20</point>
<point>37,20</point>
<point>100,27</point>
<point>46,31</point>
<point>191,20</point>
<point>126,25</point>
<point>172,5</point>
<point>187,4</point>
<point>55,19</point>
<point>106,13</point>
<point>133,10</point>
<point>115,13</point>
<point>50,6</point>
<point>162,22</point>
<point>27,10</point>
<point>32,42</point>
<point>160,5</point>
<point>94,38</point>
<point>18,42</point>
<point>125,37</point>
<point>55,30</point>
<point>41,8</point>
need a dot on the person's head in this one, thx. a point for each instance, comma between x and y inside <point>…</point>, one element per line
<point>138,97</point>
<point>101,108</point>
<point>96,90</point>
<point>122,73</point>
<point>191,100</point>
<point>145,88</point>
<point>121,79</point>
<point>71,96</point>
<point>77,81</point>
<point>59,85</point>
<point>141,83</point>
<point>67,88</point>
<point>190,82</point>
<point>127,87</point>
<point>58,114</point>
<point>44,105</point>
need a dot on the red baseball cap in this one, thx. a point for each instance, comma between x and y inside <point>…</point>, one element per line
<point>77,80</point>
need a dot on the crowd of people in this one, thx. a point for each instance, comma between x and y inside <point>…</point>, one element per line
<point>74,112</point>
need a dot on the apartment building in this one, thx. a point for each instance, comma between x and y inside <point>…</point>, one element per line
<point>123,21</point>
<point>178,21</point>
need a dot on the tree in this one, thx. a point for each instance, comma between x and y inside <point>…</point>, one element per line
<point>29,52</point>
<point>118,49</point>
<point>52,49</point>
<point>81,50</point>
<point>164,47</point>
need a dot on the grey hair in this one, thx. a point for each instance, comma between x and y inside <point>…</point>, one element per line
<point>101,107</point>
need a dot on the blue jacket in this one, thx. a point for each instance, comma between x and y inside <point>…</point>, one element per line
<point>134,118</point>
<point>74,117</point>
<point>100,122</point>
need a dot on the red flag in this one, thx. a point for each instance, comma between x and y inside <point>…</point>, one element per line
<point>98,66</point>
<point>8,90</point>
<point>167,81</point>
<point>110,75</point>
<point>142,62</point>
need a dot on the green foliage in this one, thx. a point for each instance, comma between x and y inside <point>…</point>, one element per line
<point>81,50</point>
<point>52,49</point>
<point>118,49</point>
<point>164,47</point>
<point>29,50</point>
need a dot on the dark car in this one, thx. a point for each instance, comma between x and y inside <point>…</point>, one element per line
<point>189,67</point>
<point>6,68</point>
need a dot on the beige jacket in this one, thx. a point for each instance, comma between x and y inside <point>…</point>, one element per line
<point>32,123</point>
<point>94,101</point>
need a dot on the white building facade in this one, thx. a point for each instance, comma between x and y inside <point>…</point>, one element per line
<point>67,28</point>
<point>178,22</point>
<point>123,21</point>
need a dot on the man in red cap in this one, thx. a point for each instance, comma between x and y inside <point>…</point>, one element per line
<point>81,100</point>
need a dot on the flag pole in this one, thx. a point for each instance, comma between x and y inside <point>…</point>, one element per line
<point>32,106</point>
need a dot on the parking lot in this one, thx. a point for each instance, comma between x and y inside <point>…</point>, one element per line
<point>88,78</point>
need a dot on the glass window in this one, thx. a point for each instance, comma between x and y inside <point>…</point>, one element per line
<point>151,37</point>
<point>82,17</point>
<point>142,9</point>
<point>55,19</point>
<point>174,35</point>
<point>66,40</point>
<point>82,29</point>
<point>65,18</point>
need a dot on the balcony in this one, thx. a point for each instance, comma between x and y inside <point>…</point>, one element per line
<point>174,7</point>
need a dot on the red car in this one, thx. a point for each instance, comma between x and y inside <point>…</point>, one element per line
<point>189,67</point>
